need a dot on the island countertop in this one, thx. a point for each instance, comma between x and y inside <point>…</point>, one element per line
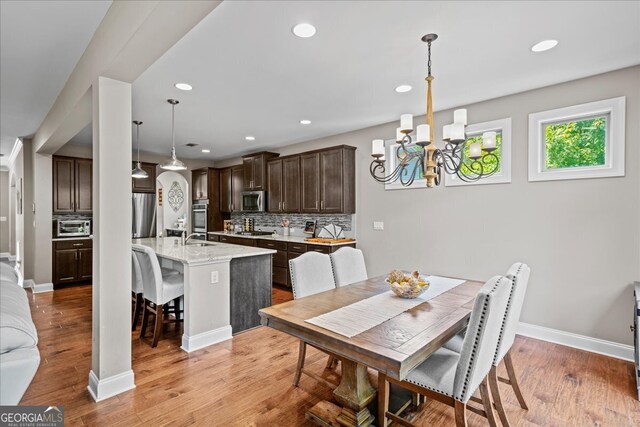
<point>281,238</point>
<point>194,254</point>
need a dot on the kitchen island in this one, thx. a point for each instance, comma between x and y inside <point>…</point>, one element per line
<point>224,286</point>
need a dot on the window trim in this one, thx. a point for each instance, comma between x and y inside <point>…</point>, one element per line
<point>504,176</point>
<point>390,146</point>
<point>614,144</point>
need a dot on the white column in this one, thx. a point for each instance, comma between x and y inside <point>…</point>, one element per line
<point>111,372</point>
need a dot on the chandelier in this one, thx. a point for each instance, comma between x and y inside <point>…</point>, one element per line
<point>470,161</point>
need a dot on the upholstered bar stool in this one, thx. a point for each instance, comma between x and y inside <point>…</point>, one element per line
<point>158,290</point>
<point>311,273</point>
<point>136,291</point>
<point>519,274</point>
<point>348,266</point>
<point>450,377</point>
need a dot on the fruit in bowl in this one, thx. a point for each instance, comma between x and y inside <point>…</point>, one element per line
<point>407,285</point>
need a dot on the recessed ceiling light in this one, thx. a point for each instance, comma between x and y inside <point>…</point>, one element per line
<point>206,150</point>
<point>250,138</point>
<point>403,88</point>
<point>305,122</point>
<point>183,86</point>
<point>304,30</point>
<point>544,45</point>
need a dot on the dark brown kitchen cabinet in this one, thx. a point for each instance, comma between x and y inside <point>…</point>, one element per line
<point>231,188</point>
<point>145,185</point>
<point>72,261</point>
<point>200,184</point>
<point>72,185</point>
<point>283,185</point>
<point>254,167</point>
<point>328,180</point>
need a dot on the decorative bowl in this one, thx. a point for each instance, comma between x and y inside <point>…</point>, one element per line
<point>407,285</point>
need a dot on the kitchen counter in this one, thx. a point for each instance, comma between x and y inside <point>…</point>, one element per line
<point>192,254</point>
<point>224,286</point>
<point>280,238</point>
<point>62,239</point>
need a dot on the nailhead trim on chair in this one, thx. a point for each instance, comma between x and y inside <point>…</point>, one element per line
<point>293,285</point>
<point>475,343</point>
<point>504,319</point>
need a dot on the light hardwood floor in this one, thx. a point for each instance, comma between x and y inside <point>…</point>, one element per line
<point>247,381</point>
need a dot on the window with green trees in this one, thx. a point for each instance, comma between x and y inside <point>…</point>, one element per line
<point>468,166</point>
<point>576,143</point>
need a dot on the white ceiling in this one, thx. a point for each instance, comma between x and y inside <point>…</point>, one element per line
<point>251,76</point>
<point>40,44</point>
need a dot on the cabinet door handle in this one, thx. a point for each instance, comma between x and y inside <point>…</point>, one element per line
<point>77,244</point>
<point>75,256</point>
<point>322,205</point>
<point>316,204</point>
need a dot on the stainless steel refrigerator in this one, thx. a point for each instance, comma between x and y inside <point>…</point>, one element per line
<point>144,215</point>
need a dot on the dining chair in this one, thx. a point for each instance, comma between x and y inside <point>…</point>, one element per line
<point>158,291</point>
<point>136,290</point>
<point>311,273</point>
<point>450,377</point>
<point>348,266</point>
<point>519,274</point>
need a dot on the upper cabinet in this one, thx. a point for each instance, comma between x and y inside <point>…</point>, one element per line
<point>283,185</point>
<point>72,185</point>
<point>328,180</point>
<point>255,170</point>
<point>231,187</point>
<point>148,184</point>
<point>200,184</point>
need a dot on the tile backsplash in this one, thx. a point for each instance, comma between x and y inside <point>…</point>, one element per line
<point>264,220</point>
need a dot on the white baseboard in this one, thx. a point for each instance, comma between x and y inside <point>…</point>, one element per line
<point>109,387</point>
<point>38,288</point>
<point>205,339</point>
<point>582,342</point>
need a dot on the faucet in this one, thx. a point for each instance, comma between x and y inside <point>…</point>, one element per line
<point>186,239</point>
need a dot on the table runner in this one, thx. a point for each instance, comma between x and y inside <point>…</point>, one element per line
<point>360,316</point>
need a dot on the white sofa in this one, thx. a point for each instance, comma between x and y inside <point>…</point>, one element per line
<point>19,355</point>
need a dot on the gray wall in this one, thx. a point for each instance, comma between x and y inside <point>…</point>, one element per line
<point>581,237</point>
<point>4,212</point>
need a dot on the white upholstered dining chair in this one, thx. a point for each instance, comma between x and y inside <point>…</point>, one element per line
<point>136,290</point>
<point>311,273</point>
<point>348,266</point>
<point>451,377</point>
<point>519,274</point>
<point>158,290</point>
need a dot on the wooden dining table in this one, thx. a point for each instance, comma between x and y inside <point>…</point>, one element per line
<point>393,347</point>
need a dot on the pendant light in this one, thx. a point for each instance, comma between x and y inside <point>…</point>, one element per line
<point>138,172</point>
<point>173,164</point>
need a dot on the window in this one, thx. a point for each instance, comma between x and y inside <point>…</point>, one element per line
<point>582,141</point>
<point>502,128</point>
<point>391,148</point>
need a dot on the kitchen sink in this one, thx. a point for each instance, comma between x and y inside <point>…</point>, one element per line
<point>199,244</point>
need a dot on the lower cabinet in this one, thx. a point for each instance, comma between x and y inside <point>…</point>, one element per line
<point>72,261</point>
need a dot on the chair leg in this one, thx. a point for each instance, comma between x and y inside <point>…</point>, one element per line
<point>330,362</point>
<point>383,399</point>
<point>157,330</point>
<point>137,308</point>
<point>495,393</point>
<point>513,378</point>
<point>485,393</point>
<point>461,414</point>
<point>145,318</point>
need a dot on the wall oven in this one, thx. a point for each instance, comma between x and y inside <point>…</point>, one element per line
<point>253,201</point>
<point>71,228</point>
<point>199,218</point>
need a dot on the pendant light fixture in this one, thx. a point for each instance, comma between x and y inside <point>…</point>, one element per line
<point>138,172</point>
<point>173,164</point>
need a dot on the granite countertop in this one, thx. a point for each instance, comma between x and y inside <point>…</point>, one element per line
<point>62,239</point>
<point>281,238</point>
<point>192,254</point>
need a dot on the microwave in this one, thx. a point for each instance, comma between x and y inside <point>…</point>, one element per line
<point>71,228</point>
<point>253,201</point>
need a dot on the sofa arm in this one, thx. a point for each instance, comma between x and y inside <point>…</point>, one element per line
<point>17,369</point>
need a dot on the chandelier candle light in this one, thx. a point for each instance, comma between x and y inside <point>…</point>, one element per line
<point>423,159</point>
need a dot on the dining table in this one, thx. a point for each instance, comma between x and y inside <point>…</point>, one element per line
<point>393,346</point>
